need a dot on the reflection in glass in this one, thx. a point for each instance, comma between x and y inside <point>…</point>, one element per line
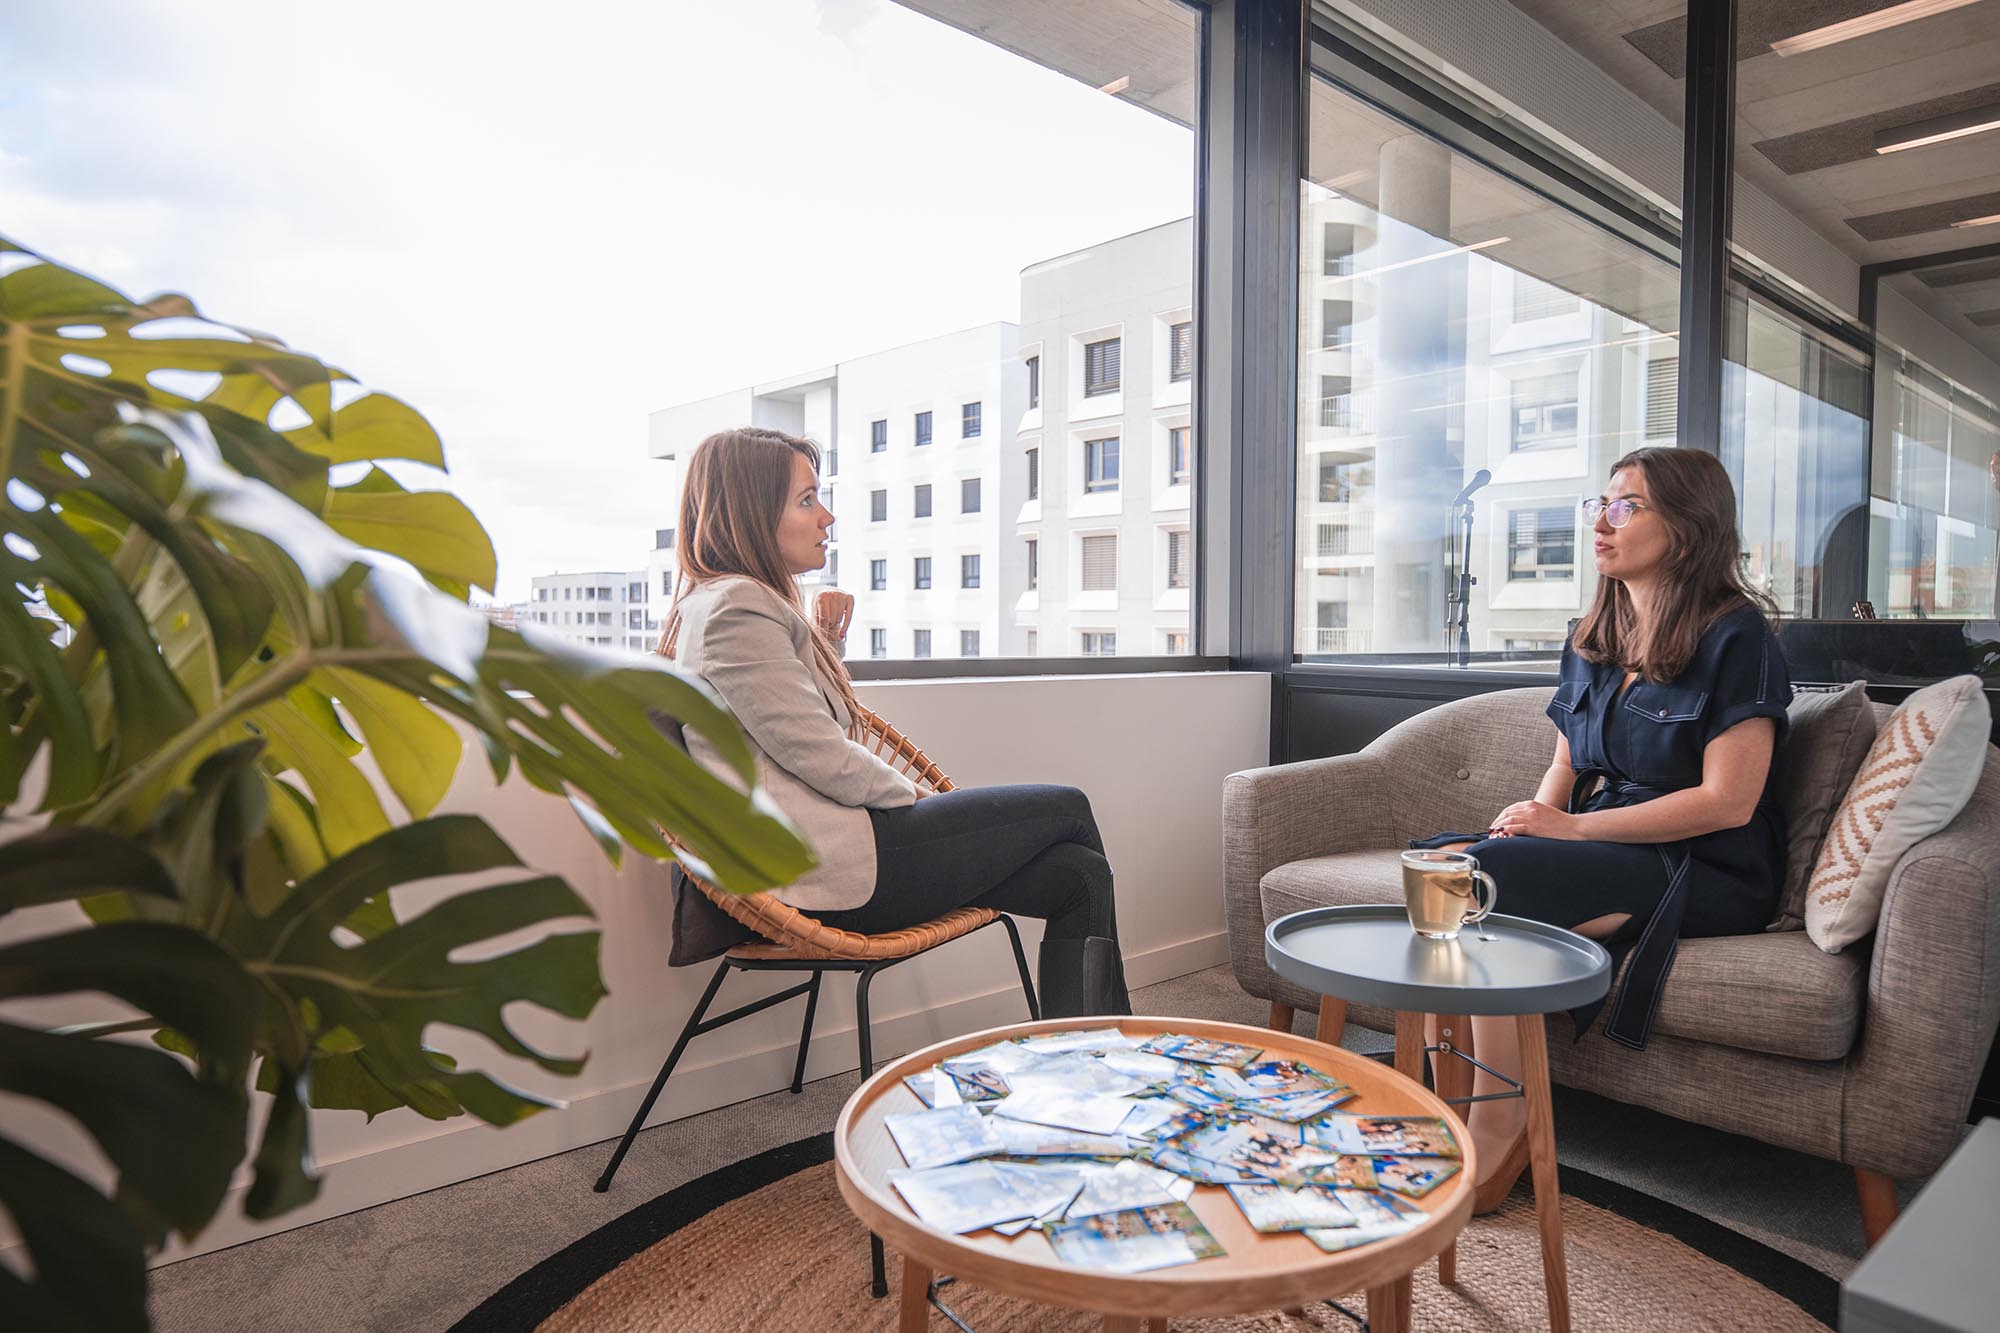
<point>1934,516</point>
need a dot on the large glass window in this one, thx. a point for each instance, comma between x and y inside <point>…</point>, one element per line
<point>1933,512</point>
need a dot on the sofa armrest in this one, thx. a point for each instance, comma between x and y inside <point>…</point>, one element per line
<point>1933,996</point>
<point>1272,816</point>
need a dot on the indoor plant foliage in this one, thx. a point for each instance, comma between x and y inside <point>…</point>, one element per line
<point>215,617</point>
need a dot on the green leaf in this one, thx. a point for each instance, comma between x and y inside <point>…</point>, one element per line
<point>431,529</point>
<point>59,864</point>
<point>349,811</point>
<point>417,751</point>
<point>88,1257</point>
<point>374,426</point>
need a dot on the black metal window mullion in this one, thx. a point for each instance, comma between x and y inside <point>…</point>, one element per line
<point>1708,174</point>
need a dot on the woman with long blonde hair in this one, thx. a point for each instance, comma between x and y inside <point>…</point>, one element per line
<point>751,522</point>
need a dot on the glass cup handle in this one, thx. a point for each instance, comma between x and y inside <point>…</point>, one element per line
<point>1487,893</point>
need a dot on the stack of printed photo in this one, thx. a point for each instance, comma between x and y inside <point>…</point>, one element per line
<point>1098,1141</point>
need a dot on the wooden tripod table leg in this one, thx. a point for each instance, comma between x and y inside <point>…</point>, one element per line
<point>1454,1079</point>
<point>914,1315</point>
<point>1332,1020</point>
<point>1385,1313</point>
<point>1542,1160</point>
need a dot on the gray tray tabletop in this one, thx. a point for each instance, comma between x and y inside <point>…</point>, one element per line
<point>1369,955</point>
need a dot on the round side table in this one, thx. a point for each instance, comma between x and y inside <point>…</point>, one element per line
<point>1512,967</point>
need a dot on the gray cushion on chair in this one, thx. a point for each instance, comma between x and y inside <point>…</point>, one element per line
<point>1776,993</point>
<point>1829,736</point>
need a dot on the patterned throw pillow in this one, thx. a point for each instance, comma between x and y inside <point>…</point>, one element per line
<point>1918,775</point>
<point>1830,732</point>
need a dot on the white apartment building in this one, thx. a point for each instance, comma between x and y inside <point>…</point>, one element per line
<point>600,608</point>
<point>913,451</point>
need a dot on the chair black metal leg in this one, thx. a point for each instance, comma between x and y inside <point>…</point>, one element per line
<point>1021,963</point>
<point>806,1034</point>
<point>878,1272</point>
<point>653,1094</point>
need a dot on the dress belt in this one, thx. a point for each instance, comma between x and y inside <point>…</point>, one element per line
<point>1652,952</point>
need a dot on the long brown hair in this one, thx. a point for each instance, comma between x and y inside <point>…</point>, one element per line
<point>738,483</point>
<point>1701,579</point>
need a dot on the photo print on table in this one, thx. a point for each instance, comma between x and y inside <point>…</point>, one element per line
<point>942,1136</point>
<point>1134,1241</point>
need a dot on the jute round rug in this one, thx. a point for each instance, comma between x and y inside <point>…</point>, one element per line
<point>767,1244</point>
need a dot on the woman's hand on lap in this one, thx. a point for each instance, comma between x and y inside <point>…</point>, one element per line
<point>1532,819</point>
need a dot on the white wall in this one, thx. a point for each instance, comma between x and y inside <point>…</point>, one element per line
<point>1151,750</point>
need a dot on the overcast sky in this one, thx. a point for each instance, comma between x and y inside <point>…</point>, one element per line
<point>537,223</point>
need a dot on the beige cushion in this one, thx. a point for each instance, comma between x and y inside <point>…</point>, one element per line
<point>1828,734</point>
<point>1773,993</point>
<point>1918,774</point>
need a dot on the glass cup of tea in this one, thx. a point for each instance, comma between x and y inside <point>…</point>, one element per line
<point>1444,891</point>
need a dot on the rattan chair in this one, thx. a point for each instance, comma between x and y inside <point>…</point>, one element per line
<point>792,941</point>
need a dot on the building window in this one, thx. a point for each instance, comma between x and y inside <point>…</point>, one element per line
<point>1100,464</point>
<point>878,437</point>
<point>663,539</point>
<point>1100,643</point>
<point>1101,367</point>
<point>878,575</point>
<point>833,568</point>
<point>635,620</point>
<point>1177,644</point>
<point>968,643</point>
<point>1663,388</point>
<point>1177,559</point>
<point>1541,544</point>
<point>1034,564</point>
<point>1336,325</point>
<point>1178,440</point>
<point>1034,382</point>
<point>1180,352</point>
<point>878,506</point>
<point>1336,402</point>
<point>968,421</point>
<point>1336,249</point>
<point>636,591</point>
<point>923,429</point>
<point>968,495</point>
<point>968,571</point>
<point>878,643</point>
<point>826,498</point>
<point>920,643</point>
<point>923,500</point>
<point>921,575</point>
<point>1342,481</point>
<point>1034,474</point>
<point>1545,410</point>
<point>830,461</point>
<point>1100,563</point>
<point>1034,641</point>
<point>1535,299</point>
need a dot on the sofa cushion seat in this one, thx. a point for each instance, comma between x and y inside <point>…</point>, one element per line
<point>1777,993</point>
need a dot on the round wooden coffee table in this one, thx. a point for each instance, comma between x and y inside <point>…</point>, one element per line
<point>1260,1272</point>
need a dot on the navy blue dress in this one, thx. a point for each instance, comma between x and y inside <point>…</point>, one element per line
<point>1645,740</point>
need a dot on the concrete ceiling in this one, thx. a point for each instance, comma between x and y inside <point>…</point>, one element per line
<point>1806,124</point>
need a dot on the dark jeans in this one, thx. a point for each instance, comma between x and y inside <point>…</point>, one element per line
<point>1026,850</point>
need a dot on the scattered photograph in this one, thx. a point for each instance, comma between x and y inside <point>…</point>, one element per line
<point>1414,1176</point>
<point>967,1196</point>
<point>1376,1216</point>
<point>941,1136</point>
<point>1388,1135</point>
<point>1051,1187</point>
<point>1114,1189</point>
<point>1077,1073</point>
<point>1281,1160</point>
<point>1160,1118</point>
<point>1023,1138</point>
<point>1066,1110</point>
<point>1201,1050</point>
<point>1276,1208</point>
<point>1297,1107</point>
<point>1273,1078</point>
<point>1134,1241</point>
<point>1100,1040</point>
<point>1198,1169</point>
<point>1353,1173</point>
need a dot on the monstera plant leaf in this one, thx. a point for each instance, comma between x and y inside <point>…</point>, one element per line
<point>235,685</point>
<point>172,1129</point>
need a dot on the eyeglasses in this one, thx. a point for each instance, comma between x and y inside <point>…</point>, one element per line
<point>1618,512</point>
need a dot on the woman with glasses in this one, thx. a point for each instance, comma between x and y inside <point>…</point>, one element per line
<point>1657,818</point>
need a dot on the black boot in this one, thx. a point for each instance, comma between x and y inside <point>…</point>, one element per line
<point>1079,978</point>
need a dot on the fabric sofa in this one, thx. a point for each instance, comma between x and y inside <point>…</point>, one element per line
<point>1867,1057</point>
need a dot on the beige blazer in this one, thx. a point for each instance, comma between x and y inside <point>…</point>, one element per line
<point>755,650</point>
